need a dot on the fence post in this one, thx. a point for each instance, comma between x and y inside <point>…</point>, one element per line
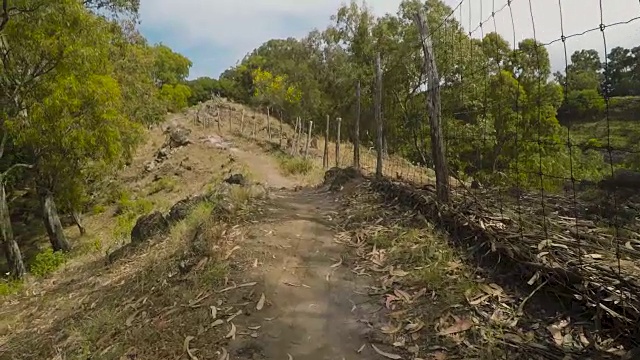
<point>230,127</point>
<point>255,125</point>
<point>268,124</point>
<point>434,110</point>
<point>219,119</point>
<point>306,147</point>
<point>281,132</point>
<point>338,126</point>
<point>325,156</point>
<point>356,131</point>
<point>242,123</point>
<point>378,115</point>
<point>300,132</point>
<point>293,140</point>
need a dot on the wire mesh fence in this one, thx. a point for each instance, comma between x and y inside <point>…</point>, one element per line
<point>542,168</point>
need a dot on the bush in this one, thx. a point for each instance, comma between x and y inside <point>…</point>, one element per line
<point>47,262</point>
<point>9,287</point>
<point>294,165</point>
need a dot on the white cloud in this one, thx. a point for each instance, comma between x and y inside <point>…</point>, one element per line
<point>238,26</point>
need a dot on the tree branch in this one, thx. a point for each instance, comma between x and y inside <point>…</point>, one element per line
<point>3,144</point>
<point>13,167</point>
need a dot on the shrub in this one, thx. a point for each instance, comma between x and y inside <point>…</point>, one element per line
<point>294,165</point>
<point>47,262</point>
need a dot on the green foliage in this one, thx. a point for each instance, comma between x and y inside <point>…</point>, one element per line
<point>585,104</point>
<point>10,286</point>
<point>46,262</point>
<point>166,184</point>
<point>295,165</point>
<point>176,97</point>
<point>169,67</point>
<point>202,88</point>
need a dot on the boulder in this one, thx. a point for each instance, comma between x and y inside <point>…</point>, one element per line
<point>178,136</point>
<point>180,210</point>
<point>336,178</point>
<point>236,179</point>
<point>149,226</point>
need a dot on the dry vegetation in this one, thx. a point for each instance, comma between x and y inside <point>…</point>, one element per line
<point>447,298</point>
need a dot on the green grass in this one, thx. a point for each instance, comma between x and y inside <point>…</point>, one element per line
<point>10,286</point>
<point>623,134</point>
<point>294,165</point>
<point>46,262</point>
<point>166,184</point>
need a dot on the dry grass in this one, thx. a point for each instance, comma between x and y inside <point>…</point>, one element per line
<point>143,305</point>
<point>434,297</point>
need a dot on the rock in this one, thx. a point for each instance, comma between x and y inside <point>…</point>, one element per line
<point>257,191</point>
<point>180,210</point>
<point>336,178</point>
<point>622,178</point>
<point>148,226</point>
<point>150,166</point>
<point>236,179</point>
<point>163,153</point>
<point>178,136</point>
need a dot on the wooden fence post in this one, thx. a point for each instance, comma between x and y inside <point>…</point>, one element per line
<point>242,123</point>
<point>325,157</point>
<point>434,110</point>
<point>378,115</point>
<point>268,124</point>
<point>338,125</point>
<point>281,132</point>
<point>306,147</point>
<point>255,125</point>
<point>356,131</point>
<point>230,127</point>
<point>300,132</point>
<point>219,119</point>
<point>293,140</point>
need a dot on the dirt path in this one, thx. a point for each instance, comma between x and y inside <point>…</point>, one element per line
<point>264,168</point>
<point>315,308</point>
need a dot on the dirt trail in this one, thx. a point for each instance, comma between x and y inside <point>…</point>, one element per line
<point>264,168</point>
<point>316,308</point>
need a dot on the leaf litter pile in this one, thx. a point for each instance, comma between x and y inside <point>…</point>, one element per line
<point>442,297</point>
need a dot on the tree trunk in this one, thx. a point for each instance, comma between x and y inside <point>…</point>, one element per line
<point>52,221</point>
<point>306,147</point>
<point>356,131</point>
<point>378,116</point>
<point>434,109</point>
<point>11,249</point>
<point>77,218</point>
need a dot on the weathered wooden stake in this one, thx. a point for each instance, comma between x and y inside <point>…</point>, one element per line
<point>293,140</point>
<point>356,131</point>
<point>255,125</point>
<point>268,124</point>
<point>242,123</point>
<point>281,132</point>
<point>306,147</point>
<point>300,132</point>
<point>230,127</point>
<point>325,156</point>
<point>338,125</point>
<point>378,115</point>
<point>219,120</point>
<point>434,110</point>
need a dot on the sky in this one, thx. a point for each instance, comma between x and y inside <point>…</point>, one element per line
<point>216,34</point>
